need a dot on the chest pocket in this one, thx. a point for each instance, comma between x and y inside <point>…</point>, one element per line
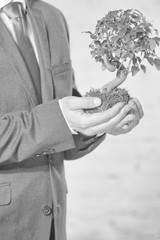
<point>62,79</point>
<point>5,194</point>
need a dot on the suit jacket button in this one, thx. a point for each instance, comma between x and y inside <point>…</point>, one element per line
<point>46,210</point>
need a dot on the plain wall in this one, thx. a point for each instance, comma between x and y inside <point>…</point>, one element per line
<point>114,193</point>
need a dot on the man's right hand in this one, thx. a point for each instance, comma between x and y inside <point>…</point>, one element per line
<point>110,121</point>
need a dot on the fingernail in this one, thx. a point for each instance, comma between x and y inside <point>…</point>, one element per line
<point>97,101</point>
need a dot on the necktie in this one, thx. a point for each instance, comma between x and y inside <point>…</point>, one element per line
<point>15,12</point>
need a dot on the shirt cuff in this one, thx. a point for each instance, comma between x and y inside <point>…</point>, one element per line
<point>60,105</point>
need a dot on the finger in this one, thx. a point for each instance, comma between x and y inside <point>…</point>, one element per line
<point>119,117</point>
<point>110,125</point>
<point>138,106</point>
<point>106,128</point>
<point>134,108</point>
<point>129,118</point>
<point>78,103</point>
<point>102,117</point>
<point>128,126</point>
<point>133,105</point>
<point>113,122</point>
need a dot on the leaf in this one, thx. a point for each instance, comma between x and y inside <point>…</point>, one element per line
<point>114,39</point>
<point>157,39</point>
<point>134,59</point>
<point>152,44</point>
<point>151,61</point>
<point>134,70</point>
<point>148,29</point>
<point>93,53</point>
<point>100,23</point>
<point>157,63</point>
<point>118,53</point>
<point>91,46</point>
<point>101,35</point>
<point>156,31</point>
<point>131,45</point>
<point>139,59</point>
<point>97,42</point>
<point>143,68</point>
<point>89,32</point>
<point>126,55</point>
<point>93,36</point>
<point>98,59</point>
<point>103,67</point>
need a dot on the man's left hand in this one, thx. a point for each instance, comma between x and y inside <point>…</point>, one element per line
<point>131,120</point>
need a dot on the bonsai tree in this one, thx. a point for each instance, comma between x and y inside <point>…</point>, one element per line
<point>122,41</point>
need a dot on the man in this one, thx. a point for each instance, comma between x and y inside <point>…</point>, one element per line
<point>41,123</point>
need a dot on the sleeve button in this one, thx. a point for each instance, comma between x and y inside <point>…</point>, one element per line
<point>46,210</point>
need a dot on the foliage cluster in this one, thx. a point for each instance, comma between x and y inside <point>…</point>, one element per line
<point>125,38</point>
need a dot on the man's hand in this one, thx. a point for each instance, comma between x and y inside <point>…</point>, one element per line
<point>115,120</point>
<point>129,122</point>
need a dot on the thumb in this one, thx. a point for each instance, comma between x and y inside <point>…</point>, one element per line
<point>85,103</point>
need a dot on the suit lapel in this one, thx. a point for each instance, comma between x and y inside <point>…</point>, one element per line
<point>41,39</point>
<point>11,50</point>
<point>9,46</point>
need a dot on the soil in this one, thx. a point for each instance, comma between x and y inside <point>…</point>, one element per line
<point>108,98</point>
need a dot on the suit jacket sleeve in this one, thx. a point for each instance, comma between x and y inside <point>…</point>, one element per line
<point>26,134</point>
<point>40,132</point>
<point>84,145</point>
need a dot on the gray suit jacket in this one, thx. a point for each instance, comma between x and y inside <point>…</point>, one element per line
<point>34,137</point>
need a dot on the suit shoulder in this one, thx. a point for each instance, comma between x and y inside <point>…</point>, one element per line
<point>48,10</point>
<point>53,17</point>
